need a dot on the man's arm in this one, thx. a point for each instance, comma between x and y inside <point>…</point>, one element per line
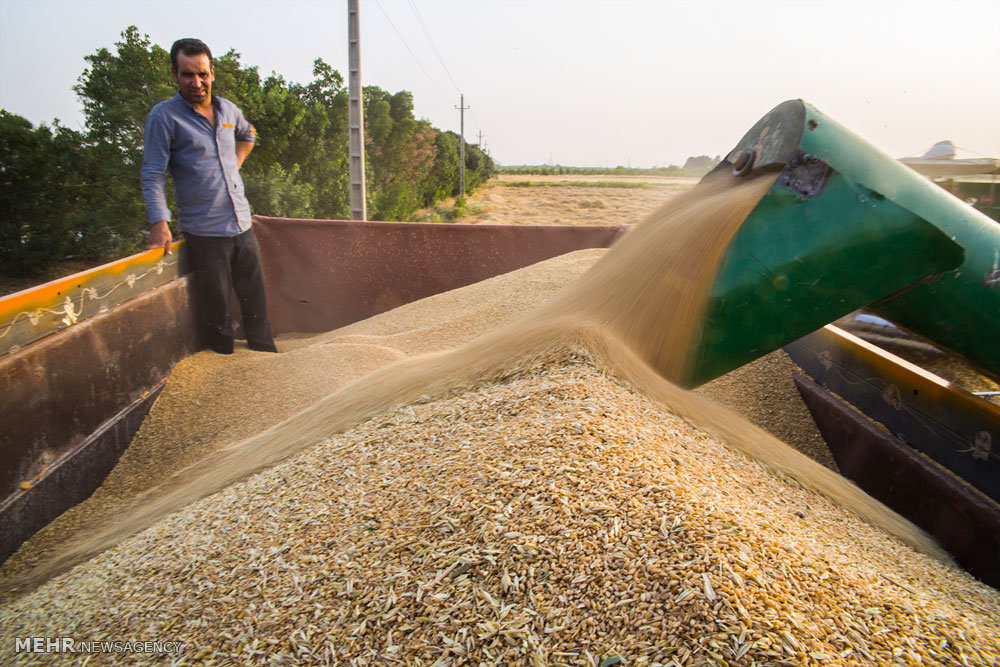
<point>243,149</point>
<point>155,156</point>
<point>246,135</point>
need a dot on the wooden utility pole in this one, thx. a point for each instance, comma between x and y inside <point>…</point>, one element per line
<point>356,117</point>
<point>461,147</point>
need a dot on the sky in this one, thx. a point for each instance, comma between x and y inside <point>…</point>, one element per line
<point>639,83</point>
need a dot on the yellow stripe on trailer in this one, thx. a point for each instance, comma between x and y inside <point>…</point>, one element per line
<point>31,314</point>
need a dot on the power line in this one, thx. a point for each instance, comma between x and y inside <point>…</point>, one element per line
<point>437,53</point>
<point>475,120</point>
<point>412,54</point>
<point>430,39</point>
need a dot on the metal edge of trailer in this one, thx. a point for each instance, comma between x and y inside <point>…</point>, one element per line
<point>914,441</point>
<point>34,313</point>
<point>72,402</point>
<point>72,478</point>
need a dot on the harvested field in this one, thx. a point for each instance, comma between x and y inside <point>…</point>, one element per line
<point>510,199</point>
<point>537,495</point>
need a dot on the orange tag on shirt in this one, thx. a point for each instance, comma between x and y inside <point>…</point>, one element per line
<point>227,125</point>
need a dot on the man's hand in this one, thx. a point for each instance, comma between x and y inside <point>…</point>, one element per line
<point>160,237</point>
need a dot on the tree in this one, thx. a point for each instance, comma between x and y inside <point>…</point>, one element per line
<point>280,193</point>
<point>117,91</point>
<point>64,192</point>
<point>41,189</point>
<point>479,167</point>
<point>400,154</point>
<point>443,180</point>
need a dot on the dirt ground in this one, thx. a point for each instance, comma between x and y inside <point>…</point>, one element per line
<point>570,199</point>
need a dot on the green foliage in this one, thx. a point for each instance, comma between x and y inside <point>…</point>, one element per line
<point>117,90</point>
<point>479,168</point>
<point>445,213</point>
<point>281,193</point>
<point>443,181</point>
<point>41,184</point>
<point>400,154</point>
<point>64,193</point>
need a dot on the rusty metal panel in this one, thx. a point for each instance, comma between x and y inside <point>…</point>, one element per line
<point>34,313</point>
<point>58,391</point>
<point>325,274</point>
<point>964,521</point>
<point>70,479</point>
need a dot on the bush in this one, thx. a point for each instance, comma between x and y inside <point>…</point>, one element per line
<point>40,194</point>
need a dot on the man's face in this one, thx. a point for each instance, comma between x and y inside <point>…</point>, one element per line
<point>194,76</point>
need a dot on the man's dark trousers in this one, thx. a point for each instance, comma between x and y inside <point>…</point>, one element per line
<point>221,265</point>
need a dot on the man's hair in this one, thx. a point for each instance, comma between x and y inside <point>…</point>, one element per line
<point>189,47</point>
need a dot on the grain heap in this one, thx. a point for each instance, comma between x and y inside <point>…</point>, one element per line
<point>763,393</point>
<point>527,499</point>
<point>192,418</point>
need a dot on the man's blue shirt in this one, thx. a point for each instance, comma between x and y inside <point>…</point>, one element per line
<point>202,160</point>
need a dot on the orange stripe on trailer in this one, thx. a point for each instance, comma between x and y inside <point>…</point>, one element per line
<point>51,293</point>
<point>34,313</point>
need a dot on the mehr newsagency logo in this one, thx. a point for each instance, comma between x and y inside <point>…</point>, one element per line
<point>72,645</point>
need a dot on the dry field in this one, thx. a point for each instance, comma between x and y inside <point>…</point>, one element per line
<point>571,199</point>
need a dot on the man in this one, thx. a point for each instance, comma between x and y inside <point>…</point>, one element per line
<point>203,140</point>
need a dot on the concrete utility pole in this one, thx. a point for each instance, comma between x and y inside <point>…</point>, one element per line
<point>461,148</point>
<point>480,142</point>
<point>355,115</point>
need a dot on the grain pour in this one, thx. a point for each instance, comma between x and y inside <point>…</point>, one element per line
<point>575,526</point>
<point>638,308</point>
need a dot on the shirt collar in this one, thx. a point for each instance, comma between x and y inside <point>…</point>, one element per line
<point>215,102</point>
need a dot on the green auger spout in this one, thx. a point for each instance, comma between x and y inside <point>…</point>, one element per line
<point>846,226</point>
